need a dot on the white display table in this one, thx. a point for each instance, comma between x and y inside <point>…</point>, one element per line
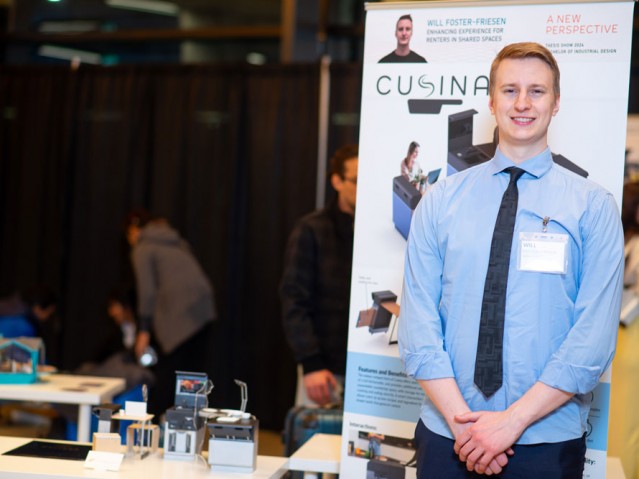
<point>320,454</point>
<point>85,391</point>
<point>152,467</point>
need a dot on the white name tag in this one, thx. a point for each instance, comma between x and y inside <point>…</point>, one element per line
<point>103,461</point>
<point>543,252</point>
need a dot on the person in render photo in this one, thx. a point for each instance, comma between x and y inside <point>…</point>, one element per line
<point>410,168</point>
<point>507,342</point>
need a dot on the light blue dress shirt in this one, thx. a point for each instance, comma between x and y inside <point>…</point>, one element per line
<point>560,329</point>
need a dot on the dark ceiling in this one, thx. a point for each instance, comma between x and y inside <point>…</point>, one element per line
<point>200,31</point>
<point>28,12</point>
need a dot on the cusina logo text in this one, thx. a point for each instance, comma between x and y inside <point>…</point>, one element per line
<point>427,86</point>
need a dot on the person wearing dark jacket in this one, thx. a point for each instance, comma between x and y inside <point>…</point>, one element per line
<point>315,286</point>
<point>175,302</point>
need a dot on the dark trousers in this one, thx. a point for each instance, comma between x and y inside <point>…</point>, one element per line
<point>436,459</point>
<point>188,356</point>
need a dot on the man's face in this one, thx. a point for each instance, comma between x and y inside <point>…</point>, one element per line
<point>347,187</point>
<point>523,102</point>
<point>404,31</point>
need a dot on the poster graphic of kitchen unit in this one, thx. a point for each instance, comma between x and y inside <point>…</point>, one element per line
<point>462,154</point>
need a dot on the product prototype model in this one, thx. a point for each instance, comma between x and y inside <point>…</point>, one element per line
<point>462,154</point>
<point>185,427</point>
<point>233,437</point>
<point>19,359</point>
<point>142,437</point>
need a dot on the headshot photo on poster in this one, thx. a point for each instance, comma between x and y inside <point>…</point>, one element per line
<point>402,52</point>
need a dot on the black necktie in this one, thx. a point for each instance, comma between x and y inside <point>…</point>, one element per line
<point>490,344</point>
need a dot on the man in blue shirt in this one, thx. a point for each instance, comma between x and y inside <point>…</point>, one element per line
<point>562,302</point>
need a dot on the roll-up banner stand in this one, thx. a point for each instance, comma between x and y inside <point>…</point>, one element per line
<point>440,101</point>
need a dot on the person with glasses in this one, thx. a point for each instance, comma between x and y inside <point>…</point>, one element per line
<point>315,286</point>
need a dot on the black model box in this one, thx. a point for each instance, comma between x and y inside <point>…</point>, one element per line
<point>461,152</point>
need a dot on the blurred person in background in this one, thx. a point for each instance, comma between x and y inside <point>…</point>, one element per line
<point>33,312</point>
<point>174,302</point>
<point>315,287</point>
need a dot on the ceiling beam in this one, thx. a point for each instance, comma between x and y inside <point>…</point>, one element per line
<point>205,33</point>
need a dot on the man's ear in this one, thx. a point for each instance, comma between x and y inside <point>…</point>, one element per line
<point>336,182</point>
<point>555,110</point>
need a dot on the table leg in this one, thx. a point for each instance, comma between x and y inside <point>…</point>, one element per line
<point>143,439</point>
<point>84,422</point>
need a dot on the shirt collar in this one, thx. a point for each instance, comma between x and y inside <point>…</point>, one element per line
<point>536,166</point>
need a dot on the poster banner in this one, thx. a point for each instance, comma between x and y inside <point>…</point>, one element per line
<point>438,100</point>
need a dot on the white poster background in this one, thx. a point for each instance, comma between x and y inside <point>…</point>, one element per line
<point>591,42</point>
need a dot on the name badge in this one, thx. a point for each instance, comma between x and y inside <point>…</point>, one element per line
<point>543,252</point>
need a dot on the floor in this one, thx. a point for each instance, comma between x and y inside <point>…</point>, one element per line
<point>270,443</point>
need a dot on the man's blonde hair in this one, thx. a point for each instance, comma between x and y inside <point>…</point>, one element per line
<point>525,50</point>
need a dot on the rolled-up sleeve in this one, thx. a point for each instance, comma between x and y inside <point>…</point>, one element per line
<point>420,336</point>
<point>589,347</point>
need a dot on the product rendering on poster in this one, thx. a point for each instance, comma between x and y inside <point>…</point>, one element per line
<point>440,103</point>
<point>379,316</point>
<point>462,154</point>
<point>388,457</point>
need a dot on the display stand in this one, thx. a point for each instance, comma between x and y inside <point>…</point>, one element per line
<point>147,433</point>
